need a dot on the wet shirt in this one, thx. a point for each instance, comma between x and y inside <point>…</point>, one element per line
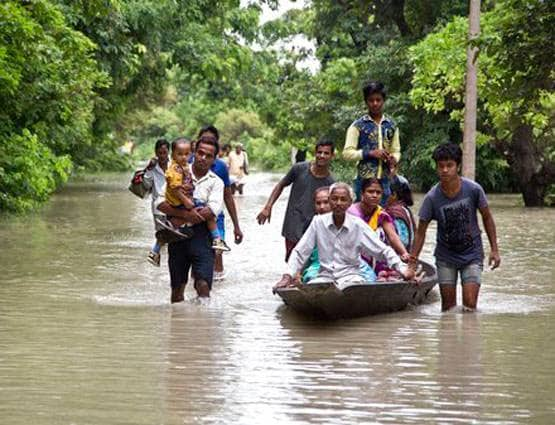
<point>219,168</point>
<point>300,208</point>
<point>458,234</point>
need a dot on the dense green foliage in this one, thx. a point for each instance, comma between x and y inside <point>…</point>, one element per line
<point>78,78</point>
<point>517,102</point>
<point>74,72</point>
<point>47,85</point>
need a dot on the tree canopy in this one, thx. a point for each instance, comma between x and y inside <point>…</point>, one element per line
<point>79,78</point>
<point>517,102</point>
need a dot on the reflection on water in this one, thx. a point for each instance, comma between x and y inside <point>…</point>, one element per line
<point>87,334</point>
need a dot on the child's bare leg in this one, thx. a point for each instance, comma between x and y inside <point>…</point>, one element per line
<point>212,226</point>
<point>217,243</point>
<point>183,198</point>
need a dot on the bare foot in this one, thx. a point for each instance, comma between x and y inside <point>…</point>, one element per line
<point>202,288</point>
<point>285,281</point>
<point>178,294</point>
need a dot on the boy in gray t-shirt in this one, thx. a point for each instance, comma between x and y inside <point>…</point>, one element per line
<point>305,178</point>
<point>453,203</point>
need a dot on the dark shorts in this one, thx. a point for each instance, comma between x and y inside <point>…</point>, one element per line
<point>195,253</point>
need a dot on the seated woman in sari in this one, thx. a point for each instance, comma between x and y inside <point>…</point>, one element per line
<point>397,206</point>
<point>312,266</point>
<point>369,210</point>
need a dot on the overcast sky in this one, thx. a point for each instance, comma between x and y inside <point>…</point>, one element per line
<point>284,5</point>
<point>297,41</point>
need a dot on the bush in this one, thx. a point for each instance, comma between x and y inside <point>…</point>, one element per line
<point>267,155</point>
<point>29,172</point>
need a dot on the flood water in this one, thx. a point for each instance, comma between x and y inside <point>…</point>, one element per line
<point>87,334</point>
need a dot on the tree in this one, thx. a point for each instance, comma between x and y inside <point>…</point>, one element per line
<point>235,124</point>
<point>48,80</point>
<point>516,81</point>
<point>471,93</point>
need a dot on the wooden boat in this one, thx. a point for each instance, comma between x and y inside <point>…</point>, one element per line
<point>327,300</point>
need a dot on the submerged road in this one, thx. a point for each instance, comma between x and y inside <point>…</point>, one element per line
<point>87,335</point>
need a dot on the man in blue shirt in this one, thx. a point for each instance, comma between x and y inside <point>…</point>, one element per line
<point>220,169</point>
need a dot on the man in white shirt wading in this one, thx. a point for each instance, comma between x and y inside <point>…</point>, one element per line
<point>196,252</point>
<point>340,238</point>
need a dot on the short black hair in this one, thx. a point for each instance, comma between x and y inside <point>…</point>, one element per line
<point>208,140</point>
<point>161,142</point>
<point>368,182</point>
<point>210,128</point>
<point>448,151</point>
<point>372,87</point>
<point>324,142</point>
<point>179,140</point>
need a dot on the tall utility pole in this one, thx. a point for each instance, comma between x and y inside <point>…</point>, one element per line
<point>471,93</point>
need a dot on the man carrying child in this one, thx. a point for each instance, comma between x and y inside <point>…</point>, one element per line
<point>180,190</point>
<point>196,252</point>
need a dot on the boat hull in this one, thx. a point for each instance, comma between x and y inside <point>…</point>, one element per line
<point>327,300</point>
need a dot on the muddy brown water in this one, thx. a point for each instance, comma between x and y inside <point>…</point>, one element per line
<point>87,335</point>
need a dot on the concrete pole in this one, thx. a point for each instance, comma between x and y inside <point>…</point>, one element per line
<point>471,94</point>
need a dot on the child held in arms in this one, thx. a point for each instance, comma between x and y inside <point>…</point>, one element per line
<point>179,193</point>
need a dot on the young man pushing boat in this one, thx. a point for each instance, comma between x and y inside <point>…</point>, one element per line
<point>453,203</point>
<point>340,239</point>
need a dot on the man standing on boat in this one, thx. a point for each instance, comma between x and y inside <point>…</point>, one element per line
<point>340,238</point>
<point>373,141</point>
<point>219,167</point>
<point>305,178</point>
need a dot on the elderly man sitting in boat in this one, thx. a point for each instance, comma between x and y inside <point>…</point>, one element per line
<point>341,239</point>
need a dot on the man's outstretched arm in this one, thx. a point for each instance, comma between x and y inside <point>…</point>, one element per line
<point>266,212</point>
<point>232,209</point>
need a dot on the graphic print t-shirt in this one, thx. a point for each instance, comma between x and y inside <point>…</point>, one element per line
<point>458,235</point>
